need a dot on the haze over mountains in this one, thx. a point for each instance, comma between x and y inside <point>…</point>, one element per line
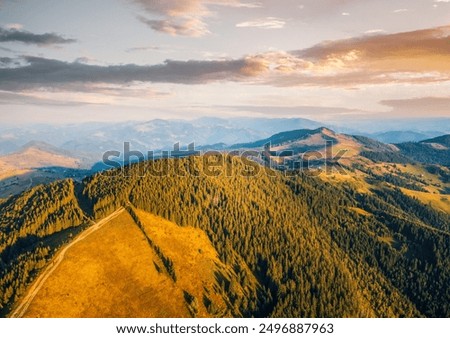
<point>150,135</point>
<point>403,136</point>
<point>95,138</point>
<point>39,162</point>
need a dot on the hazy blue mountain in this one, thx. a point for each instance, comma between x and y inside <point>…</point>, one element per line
<point>8,146</point>
<point>374,126</point>
<point>443,140</point>
<point>283,137</point>
<point>93,139</point>
<point>155,134</point>
<point>401,136</point>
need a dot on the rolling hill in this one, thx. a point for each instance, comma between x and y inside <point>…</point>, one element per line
<point>286,137</point>
<point>39,155</point>
<point>402,136</point>
<point>443,141</point>
<point>36,163</point>
<point>322,145</point>
<point>298,142</point>
<point>436,150</point>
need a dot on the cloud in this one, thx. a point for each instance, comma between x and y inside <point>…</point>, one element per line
<point>6,61</point>
<point>184,27</point>
<point>246,5</point>
<point>416,57</point>
<point>26,99</point>
<point>79,94</point>
<point>46,39</point>
<point>433,106</point>
<point>142,49</point>
<point>400,10</point>
<point>292,110</point>
<point>265,23</point>
<point>173,8</point>
<point>8,50</point>
<point>435,39</point>
<point>413,57</point>
<point>48,73</point>
<point>185,17</point>
<point>375,31</point>
<point>16,26</point>
<point>85,59</point>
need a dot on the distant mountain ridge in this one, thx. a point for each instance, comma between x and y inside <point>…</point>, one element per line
<point>287,136</point>
<point>155,134</point>
<point>402,136</point>
<point>38,154</point>
<point>45,147</point>
<point>435,150</point>
<point>443,140</point>
<point>93,139</point>
<point>38,163</point>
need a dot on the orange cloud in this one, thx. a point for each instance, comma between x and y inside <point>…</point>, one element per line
<point>422,50</point>
<point>264,23</point>
<point>433,106</point>
<point>413,57</point>
<point>186,27</point>
<point>184,17</point>
<point>253,67</point>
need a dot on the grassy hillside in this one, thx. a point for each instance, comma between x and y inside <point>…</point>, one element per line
<point>86,283</point>
<point>438,201</point>
<point>280,138</point>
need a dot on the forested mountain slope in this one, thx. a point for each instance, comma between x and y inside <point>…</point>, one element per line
<point>436,150</point>
<point>316,249</point>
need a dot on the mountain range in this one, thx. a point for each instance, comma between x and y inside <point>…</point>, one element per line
<point>32,161</point>
<point>92,139</point>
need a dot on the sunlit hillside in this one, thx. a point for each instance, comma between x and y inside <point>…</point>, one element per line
<point>121,270</point>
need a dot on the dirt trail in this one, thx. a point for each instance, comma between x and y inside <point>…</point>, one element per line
<point>20,310</point>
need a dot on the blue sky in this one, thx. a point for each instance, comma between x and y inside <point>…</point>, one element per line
<point>78,61</point>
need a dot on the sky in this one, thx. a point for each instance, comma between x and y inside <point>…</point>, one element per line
<point>326,60</point>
